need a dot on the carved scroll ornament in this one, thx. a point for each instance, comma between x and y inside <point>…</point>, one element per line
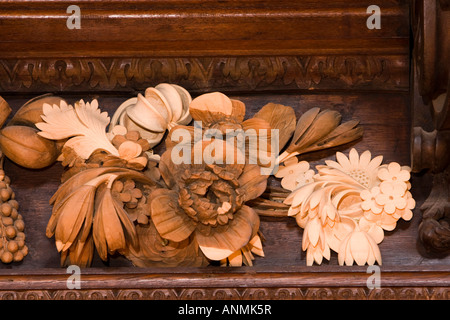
<point>431,148</point>
<point>203,73</point>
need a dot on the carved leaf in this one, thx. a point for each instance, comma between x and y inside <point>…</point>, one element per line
<point>84,124</point>
<point>279,117</point>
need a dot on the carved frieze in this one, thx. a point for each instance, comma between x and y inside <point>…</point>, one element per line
<point>332,72</point>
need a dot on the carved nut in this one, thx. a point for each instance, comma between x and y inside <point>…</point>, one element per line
<point>25,147</point>
<point>30,113</point>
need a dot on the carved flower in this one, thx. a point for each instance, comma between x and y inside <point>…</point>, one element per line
<point>391,197</point>
<point>395,174</point>
<point>369,200</point>
<point>406,213</point>
<point>86,214</point>
<point>206,199</point>
<point>361,168</point>
<point>294,174</point>
<point>358,247</point>
<point>348,206</point>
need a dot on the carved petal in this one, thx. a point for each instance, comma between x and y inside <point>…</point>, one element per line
<point>170,220</point>
<point>211,107</point>
<point>180,134</point>
<point>169,171</point>
<point>252,182</point>
<point>238,112</point>
<point>281,118</point>
<point>225,240</point>
<point>359,247</point>
<point>258,133</point>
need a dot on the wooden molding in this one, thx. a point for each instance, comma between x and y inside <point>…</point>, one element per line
<point>328,72</point>
<point>228,45</point>
<point>233,293</point>
<point>301,283</point>
<point>431,92</point>
<point>200,28</point>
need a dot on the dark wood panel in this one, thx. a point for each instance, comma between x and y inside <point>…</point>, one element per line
<point>192,28</point>
<point>228,45</point>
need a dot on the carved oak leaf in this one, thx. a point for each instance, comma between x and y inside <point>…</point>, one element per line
<point>84,124</point>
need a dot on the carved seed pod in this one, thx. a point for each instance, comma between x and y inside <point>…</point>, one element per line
<point>30,113</point>
<point>5,110</point>
<point>25,147</point>
<point>19,140</point>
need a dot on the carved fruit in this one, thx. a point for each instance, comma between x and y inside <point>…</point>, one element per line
<point>30,113</point>
<point>5,110</point>
<point>25,147</point>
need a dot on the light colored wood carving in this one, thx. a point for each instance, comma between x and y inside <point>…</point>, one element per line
<point>20,140</point>
<point>160,109</point>
<point>347,206</point>
<point>12,236</point>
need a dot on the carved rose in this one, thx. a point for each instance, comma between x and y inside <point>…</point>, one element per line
<point>207,200</point>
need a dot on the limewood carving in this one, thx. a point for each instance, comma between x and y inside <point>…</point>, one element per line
<point>12,236</point>
<point>431,136</point>
<point>199,202</point>
<point>347,205</point>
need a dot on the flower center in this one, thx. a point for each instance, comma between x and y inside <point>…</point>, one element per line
<point>360,176</point>
<point>210,198</point>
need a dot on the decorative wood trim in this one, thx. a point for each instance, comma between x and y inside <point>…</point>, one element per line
<point>342,293</point>
<point>328,72</point>
<point>431,91</point>
<point>227,285</point>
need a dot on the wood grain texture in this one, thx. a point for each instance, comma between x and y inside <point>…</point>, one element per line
<point>200,28</point>
<point>228,45</point>
<point>226,284</point>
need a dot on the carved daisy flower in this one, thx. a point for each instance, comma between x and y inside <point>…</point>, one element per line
<point>348,206</point>
<point>369,200</point>
<point>406,213</point>
<point>362,168</point>
<point>391,197</point>
<point>294,174</point>
<point>395,174</point>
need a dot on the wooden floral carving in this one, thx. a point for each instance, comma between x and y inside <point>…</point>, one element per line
<point>207,199</point>
<point>347,206</point>
<point>162,108</point>
<point>201,199</point>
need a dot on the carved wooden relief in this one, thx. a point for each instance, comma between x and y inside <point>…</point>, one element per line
<point>431,141</point>
<point>328,72</point>
<point>232,293</point>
